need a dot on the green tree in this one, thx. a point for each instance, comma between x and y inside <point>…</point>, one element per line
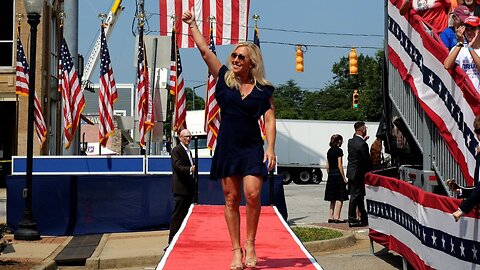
<point>367,82</point>
<point>289,100</point>
<point>199,101</point>
<point>334,102</point>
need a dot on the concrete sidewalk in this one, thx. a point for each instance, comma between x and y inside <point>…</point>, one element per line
<point>122,250</point>
<point>114,250</point>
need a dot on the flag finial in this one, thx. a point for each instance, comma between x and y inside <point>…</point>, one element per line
<point>256,18</point>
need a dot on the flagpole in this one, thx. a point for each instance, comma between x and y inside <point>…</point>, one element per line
<point>102,16</point>
<point>19,18</point>
<point>176,84</point>
<point>155,47</point>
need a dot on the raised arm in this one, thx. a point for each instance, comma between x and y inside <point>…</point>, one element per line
<point>209,57</point>
<point>449,62</point>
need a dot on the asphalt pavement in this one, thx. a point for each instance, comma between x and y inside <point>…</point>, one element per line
<point>143,250</point>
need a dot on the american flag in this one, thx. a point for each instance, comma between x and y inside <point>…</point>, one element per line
<point>145,109</point>
<point>231,17</point>
<point>22,84</point>
<point>212,110</point>
<point>72,94</point>
<point>261,120</point>
<point>107,94</point>
<point>177,87</point>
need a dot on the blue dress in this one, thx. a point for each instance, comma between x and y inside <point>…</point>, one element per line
<point>239,149</point>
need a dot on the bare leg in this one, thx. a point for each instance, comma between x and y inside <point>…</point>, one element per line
<point>331,210</point>
<point>252,187</point>
<point>338,207</point>
<point>231,192</point>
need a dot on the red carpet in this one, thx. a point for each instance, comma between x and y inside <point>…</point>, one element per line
<point>203,242</point>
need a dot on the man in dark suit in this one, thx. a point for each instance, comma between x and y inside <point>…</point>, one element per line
<point>182,181</point>
<point>359,164</point>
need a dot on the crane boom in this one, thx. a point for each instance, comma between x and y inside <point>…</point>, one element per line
<point>93,58</point>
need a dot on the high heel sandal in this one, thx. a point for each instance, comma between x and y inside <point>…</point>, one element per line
<point>250,261</point>
<point>239,265</point>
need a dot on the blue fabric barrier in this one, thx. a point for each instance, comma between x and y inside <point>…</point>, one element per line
<point>77,205</point>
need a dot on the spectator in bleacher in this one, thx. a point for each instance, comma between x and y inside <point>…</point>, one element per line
<point>376,154</point>
<point>336,188</point>
<point>433,12</point>
<point>472,195</point>
<point>472,5</point>
<point>468,57</point>
<point>455,20</point>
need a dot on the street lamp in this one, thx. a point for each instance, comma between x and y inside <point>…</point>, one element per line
<point>193,95</point>
<point>27,228</point>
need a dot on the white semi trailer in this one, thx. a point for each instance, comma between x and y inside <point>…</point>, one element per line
<point>302,146</point>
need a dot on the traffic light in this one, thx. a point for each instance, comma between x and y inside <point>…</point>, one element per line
<point>353,60</point>
<point>355,101</point>
<point>299,59</point>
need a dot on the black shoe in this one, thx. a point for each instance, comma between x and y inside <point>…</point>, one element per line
<point>354,224</point>
<point>340,221</point>
<point>331,220</point>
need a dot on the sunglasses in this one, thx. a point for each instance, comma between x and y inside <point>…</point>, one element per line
<point>241,57</point>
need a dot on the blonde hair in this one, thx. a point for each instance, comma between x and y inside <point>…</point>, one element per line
<point>257,73</point>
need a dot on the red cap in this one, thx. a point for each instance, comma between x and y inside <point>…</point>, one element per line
<point>472,20</point>
<point>462,12</point>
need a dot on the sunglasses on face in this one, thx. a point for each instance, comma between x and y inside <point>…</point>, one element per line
<point>241,57</point>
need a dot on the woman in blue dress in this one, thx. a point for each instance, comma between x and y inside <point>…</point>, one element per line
<point>243,95</point>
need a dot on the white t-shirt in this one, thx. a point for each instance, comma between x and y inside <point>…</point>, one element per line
<point>465,60</point>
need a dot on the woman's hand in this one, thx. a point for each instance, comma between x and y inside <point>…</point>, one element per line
<point>272,159</point>
<point>188,17</point>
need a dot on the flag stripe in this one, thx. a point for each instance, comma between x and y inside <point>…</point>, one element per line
<point>231,18</point>
<point>72,94</point>
<point>177,87</point>
<point>22,88</point>
<point>144,107</point>
<point>422,222</point>
<point>107,94</point>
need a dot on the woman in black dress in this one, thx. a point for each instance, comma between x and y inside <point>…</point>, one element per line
<point>243,95</point>
<point>336,190</point>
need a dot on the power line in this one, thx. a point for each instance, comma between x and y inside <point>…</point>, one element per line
<point>320,33</point>
<point>306,45</point>
<point>299,31</point>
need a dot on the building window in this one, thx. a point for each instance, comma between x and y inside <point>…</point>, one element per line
<point>7,19</point>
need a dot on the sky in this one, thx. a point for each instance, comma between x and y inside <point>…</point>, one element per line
<point>344,24</point>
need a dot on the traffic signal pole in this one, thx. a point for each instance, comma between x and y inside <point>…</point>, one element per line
<point>353,62</point>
